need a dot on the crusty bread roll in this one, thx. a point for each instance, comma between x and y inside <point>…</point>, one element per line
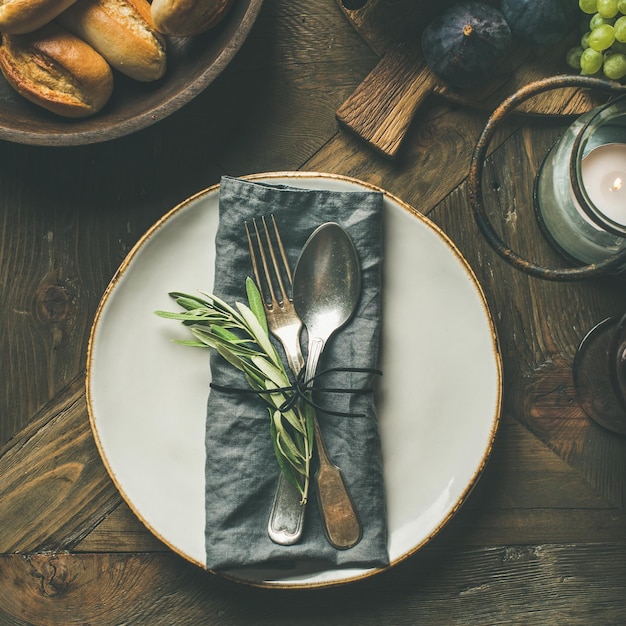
<point>188,17</point>
<point>57,71</point>
<point>24,16</point>
<point>122,32</point>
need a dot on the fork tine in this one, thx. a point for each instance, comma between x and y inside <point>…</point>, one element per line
<point>281,248</point>
<point>267,254</point>
<point>282,319</point>
<point>277,270</point>
<point>255,266</point>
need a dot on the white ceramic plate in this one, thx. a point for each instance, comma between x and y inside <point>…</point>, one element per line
<point>439,398</point>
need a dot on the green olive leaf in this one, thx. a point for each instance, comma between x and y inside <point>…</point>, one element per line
<point>240,335</point>
<point>233,359</point>
<point>256,330</point>
<point>255,301</point>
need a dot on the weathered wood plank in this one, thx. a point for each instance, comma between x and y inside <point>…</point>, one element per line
<point>67,223</point>
<point>433,163</point>
<point>54,488</point>
<point>487,526</point>
<point>553,413</point>
<point>524,473</point>
<point>275,105</point>
<point>537,584</point>
<point>120,531</point>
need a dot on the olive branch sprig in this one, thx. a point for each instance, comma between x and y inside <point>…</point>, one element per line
<point>240,335</point>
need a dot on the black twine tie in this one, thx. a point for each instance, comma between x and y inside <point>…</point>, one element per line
<point>302,390</point>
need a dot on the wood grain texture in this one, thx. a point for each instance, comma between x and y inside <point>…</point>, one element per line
<point>67,224</point>
<point>513,584</point>
<point>435,160</point>
<point>541,539</point>
<point>381,109</point>
<point>54,487</point>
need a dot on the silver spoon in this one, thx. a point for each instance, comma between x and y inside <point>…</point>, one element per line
<point>326,290</point>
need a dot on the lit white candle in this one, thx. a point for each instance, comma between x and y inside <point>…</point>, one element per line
<point>604,177</point>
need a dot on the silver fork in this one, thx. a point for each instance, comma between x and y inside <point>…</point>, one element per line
<point>282,319</point>
<point>286,521</point>
<point>339,517</point>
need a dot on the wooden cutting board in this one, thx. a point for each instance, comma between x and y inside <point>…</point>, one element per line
<point>383,106</point>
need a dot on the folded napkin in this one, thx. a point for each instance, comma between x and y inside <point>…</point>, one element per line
<point>241,470</point>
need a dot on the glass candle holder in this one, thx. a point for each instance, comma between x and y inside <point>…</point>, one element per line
<point>584,231</point>
<point>600,374</point>
<point>580,194</point>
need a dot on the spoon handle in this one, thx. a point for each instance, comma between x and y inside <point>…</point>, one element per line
<point>340,520</point>
<point>316,346</point>
<point>339,517</point>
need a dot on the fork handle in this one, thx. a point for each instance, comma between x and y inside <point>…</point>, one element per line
<point>289,337</point>
<point>286,521</point>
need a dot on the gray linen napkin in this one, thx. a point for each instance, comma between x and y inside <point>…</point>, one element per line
<point>241,471</point>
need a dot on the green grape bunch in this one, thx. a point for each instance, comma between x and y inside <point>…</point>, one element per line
<point>602,48</point>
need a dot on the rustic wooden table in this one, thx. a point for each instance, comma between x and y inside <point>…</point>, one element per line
<point>541,540</point>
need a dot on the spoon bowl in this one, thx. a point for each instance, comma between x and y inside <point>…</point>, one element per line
<point>326,287</point>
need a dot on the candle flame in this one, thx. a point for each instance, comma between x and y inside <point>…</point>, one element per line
<point>617,184</point>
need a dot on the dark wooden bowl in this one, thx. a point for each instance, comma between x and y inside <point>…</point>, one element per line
<point>193,64</point>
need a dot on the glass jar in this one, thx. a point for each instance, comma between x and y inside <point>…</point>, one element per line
<point>589,161</point>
